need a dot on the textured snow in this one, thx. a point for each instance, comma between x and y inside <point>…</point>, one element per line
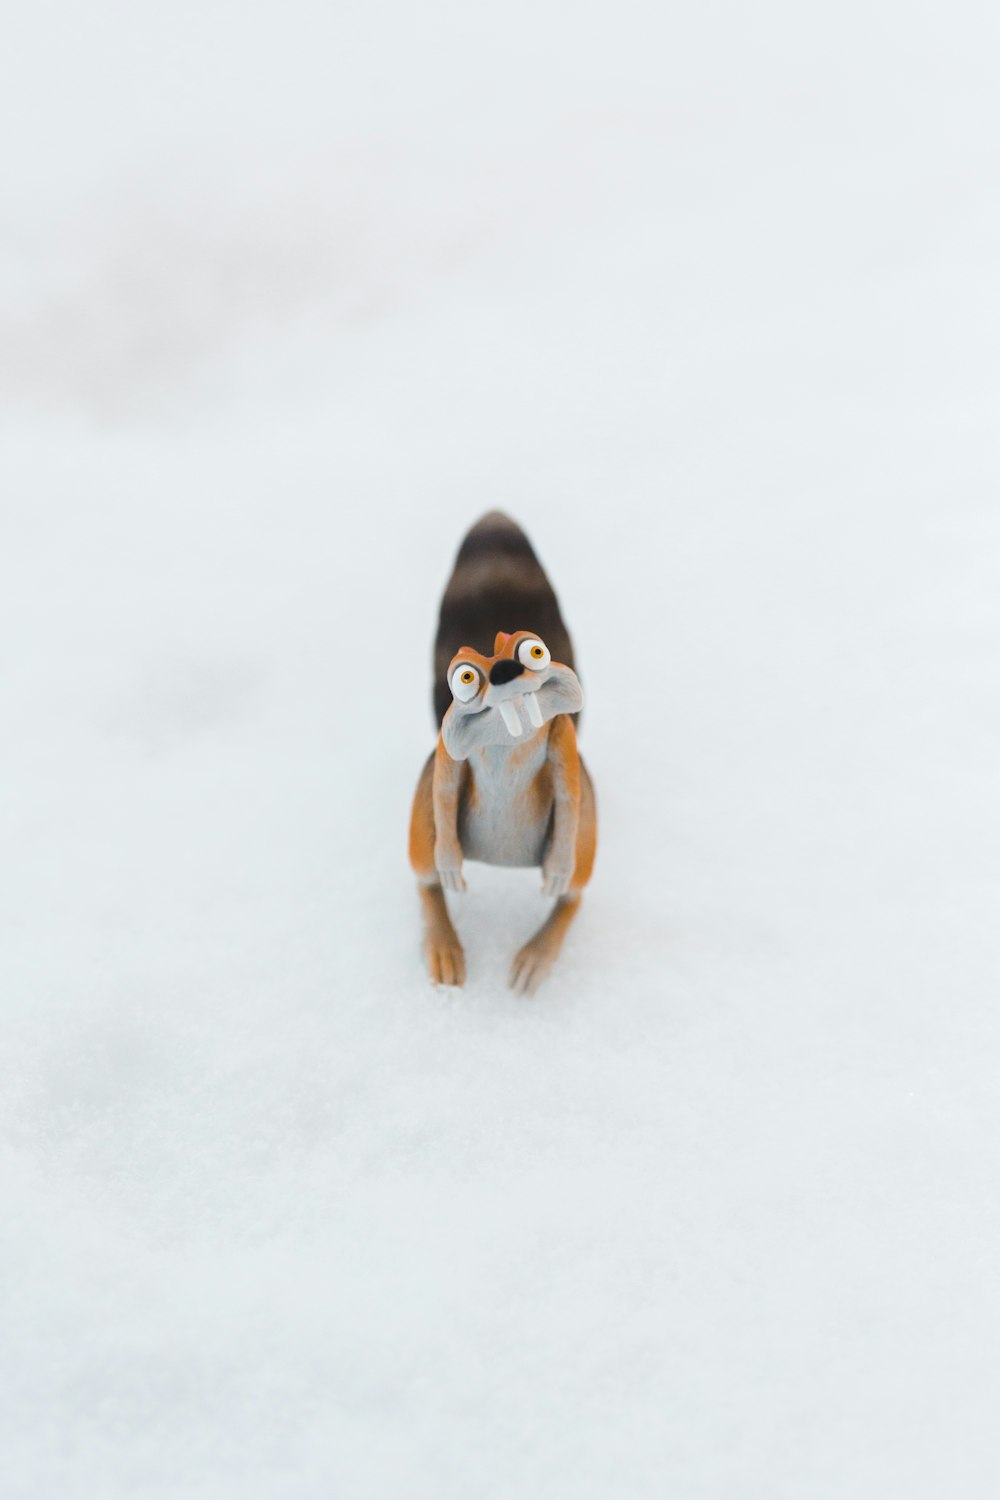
<point>710,303</point>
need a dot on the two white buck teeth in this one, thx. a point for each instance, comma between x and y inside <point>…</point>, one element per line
<point>509,712</point>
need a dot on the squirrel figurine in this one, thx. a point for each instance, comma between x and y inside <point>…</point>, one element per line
<point>505,785</point>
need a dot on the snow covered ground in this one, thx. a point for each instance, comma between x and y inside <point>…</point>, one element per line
<point>709,300</point>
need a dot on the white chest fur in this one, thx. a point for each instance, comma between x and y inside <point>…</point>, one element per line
<point>505,812</point>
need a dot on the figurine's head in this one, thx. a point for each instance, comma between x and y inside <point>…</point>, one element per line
<point>508,696</point>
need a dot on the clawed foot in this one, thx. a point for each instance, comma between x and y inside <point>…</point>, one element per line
<point>530,967</point>
<point>539,954</point>
<point>445,962</point>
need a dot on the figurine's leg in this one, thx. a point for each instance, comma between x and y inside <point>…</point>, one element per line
<point>538,955</point>
<point>540,952</point>
<point>445,959</point>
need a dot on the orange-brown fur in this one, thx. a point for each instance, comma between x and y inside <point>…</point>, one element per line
<point>422,824</point>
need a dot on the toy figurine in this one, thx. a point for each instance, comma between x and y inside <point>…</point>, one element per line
<point>506,785</point>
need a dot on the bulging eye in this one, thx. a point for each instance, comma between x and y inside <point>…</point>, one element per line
<point>465,683</point>
<point>534,655</point>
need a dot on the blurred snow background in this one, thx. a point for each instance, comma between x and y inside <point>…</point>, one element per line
<point>709,300</point>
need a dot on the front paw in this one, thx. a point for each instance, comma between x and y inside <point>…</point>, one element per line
<point>450,873</point>
<point>555,880</point>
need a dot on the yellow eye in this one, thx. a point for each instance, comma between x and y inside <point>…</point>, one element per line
<point>534,655</point>
<point>465,683</point>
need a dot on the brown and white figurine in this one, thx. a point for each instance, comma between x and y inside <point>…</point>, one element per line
<point>505,785</point>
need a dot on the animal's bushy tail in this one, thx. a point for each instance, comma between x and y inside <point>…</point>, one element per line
<point>497,583</point>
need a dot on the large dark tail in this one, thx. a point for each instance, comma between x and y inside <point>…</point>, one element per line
<point>497,583</point>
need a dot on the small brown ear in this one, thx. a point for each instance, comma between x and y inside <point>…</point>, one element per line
<point>500,642</point>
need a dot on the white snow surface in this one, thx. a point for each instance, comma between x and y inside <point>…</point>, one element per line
<point>708,299</point>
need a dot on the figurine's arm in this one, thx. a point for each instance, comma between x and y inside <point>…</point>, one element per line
<point>564,761</point>
<point>447,849</point>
